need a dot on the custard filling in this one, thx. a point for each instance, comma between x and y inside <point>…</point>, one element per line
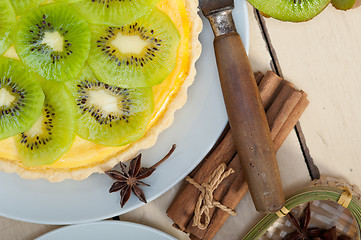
<point>84,153</point>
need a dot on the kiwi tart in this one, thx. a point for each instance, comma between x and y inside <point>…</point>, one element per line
<point>89,116</point>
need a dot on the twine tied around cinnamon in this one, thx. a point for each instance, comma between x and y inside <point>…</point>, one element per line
<point>205,200</point>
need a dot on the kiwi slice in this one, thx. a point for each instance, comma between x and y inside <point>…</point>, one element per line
<point>53,132</point>
<point>114,12</point>
<point>346,4</point>
<point>54,41</point>
<point>140,54</point>
<point>70,1</point>
<point>21,98</point>
<point>110,115</point>
<point>22,6</point>
<point>7,22</point>
<point>291,10</point>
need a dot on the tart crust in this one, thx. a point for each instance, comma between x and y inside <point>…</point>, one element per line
<point>150,138</point>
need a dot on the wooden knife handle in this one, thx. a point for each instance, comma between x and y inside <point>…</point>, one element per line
<point>248,123</point>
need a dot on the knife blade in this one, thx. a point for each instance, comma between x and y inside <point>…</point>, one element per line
<point>244,108</point>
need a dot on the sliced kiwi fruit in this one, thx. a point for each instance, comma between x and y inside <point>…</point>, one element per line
<point>69,1</point>
<point>54,41</point>
<point>291,10</point>
<point>110,115</point>
<point>140,54</point>
<point>7,23</point>
<point>22,6</point>
<point>114,12</point>
<point>21,98</point>
<point>53,132</point>
<point>346,4</point>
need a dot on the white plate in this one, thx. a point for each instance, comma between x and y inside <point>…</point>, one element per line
<point>106,230</point>
<point>196,128</point>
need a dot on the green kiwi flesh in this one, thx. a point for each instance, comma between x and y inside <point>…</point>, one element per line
<point>345,4</point>
<point>140,54</point>
<point>54,41</point>
<point>7,22</point>
<point>54,131</point>
<point>114,12</point>
<point>110,115</point>
<point>21,98</point>
<point>22,6</point>
<point>291,10</point>
<point>69,1</point>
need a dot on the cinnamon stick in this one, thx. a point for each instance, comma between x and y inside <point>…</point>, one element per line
<point>282,107</point>
<point>258,76</point>
<point>286,90</point>
<point>268,88</point>
<point>291,120</point>
<point>285,107</point>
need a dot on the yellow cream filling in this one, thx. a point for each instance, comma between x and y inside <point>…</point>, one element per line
<point>84,153</point>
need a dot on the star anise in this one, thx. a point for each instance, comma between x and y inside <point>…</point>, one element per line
<point>304,233</point>
<point>128,181</point>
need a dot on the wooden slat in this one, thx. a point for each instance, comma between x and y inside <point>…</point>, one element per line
<point>323,58</point>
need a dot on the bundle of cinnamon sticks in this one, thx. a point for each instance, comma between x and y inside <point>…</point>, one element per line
<point>284,106</point>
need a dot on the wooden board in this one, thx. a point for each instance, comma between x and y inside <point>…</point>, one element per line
<point>323,57</point>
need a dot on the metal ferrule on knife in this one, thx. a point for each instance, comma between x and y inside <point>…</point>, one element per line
<point>222,22</point>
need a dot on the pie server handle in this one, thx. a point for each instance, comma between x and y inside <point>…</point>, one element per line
<point>248,123</point>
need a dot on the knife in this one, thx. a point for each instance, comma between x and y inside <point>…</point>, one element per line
<point>244,108</point>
